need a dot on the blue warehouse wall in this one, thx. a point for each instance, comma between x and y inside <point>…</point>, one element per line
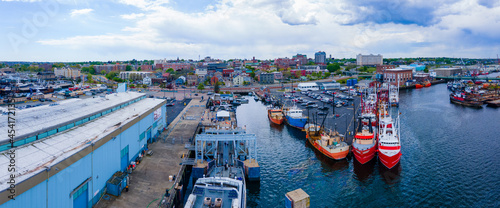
<point>35,197</point>
<point>99,165</point>
<point>131,138</point>
<point>106,161</point>
<point>63,183</point>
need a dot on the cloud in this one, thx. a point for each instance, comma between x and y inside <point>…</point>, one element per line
<point>279,28</point>
<point>78,12</point>
<point>419,12</point>
<point>132,16</point>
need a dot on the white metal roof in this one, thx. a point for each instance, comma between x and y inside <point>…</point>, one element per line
<point>36,156</point>
<point>35,119</point>
<point>222,113</point>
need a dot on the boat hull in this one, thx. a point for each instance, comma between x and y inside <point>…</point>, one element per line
<point>276,121</point>
<point>296,122</point>
<point>389,161</point>
<point>418,86</point>
<point>332,155</point>
<point>475,104</point>
<point>364,156</point>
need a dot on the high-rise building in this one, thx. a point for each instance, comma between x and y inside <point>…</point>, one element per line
<point>363,60</point>
<point>320,57</point>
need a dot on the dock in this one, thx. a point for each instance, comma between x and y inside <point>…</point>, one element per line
<point>151,179</point>
<point>493,103</point>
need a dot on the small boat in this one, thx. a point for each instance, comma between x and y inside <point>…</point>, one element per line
<point>418,86</point>
<point>389,145</point>
<point>294,117</point>
<point>393,95</point>
<point>427,84</point>
<point>330,144</point>
<point>364,144</point>
<point>276,116</point>
<point>462,98</point>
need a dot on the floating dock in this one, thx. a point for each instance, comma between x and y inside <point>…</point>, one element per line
<point>297,199</point>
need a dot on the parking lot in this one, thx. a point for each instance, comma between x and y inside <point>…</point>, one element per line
<point>317,104</point>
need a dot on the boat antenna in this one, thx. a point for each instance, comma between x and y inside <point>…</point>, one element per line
<point>360,127</point>
<point>324,119</point>
<point>370,125</point>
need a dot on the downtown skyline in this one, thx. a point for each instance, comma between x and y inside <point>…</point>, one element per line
<point>128,29</point>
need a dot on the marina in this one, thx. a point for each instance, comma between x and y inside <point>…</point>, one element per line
<point>430,126</point>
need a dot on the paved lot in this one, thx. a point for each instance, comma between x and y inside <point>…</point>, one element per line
<point>344,114</point>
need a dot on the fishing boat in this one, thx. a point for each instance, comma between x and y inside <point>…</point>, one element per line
<point>224,187</point>
<point>393,95</point>
<point>364,143</point>
<point>427,84</point>
<point>294,117</point>
<point>462,98</point>
<point>224,163</point>
<point>389,145</point>
<point>330,144</point>
<point>369,107</point>
<point>275,116</point>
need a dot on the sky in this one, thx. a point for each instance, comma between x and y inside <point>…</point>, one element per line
<point>97,30</point>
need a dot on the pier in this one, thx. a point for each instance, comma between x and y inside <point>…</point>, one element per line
<point>151,179</point>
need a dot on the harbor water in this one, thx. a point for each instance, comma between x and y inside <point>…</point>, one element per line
<point>450,159</point>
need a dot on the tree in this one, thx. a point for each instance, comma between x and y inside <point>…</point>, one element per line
<point>216,88</point>
<point>170,70</point>
<point>287,74</point>
<point>58,65</point>
<point>327,74</point>
<point>111,75</point>
<point>92,71</point>
<point>333,67</point>
<point>252,74</point>
<point>139,69</point>
<point>128,68</point>
<point>116,79</point>
<point>298,74</point>
<point>103,72</point>
<point>201,86</point>
<point>89,78</point>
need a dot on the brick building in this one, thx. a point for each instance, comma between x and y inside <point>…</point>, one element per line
<point>397,74</point>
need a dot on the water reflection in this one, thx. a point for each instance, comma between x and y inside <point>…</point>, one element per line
<point>363,172</point>
<point>296,133</point>
<point>276,126</point>
<point>390,176</point>
<point>329,164</point>
<point>253,188</point>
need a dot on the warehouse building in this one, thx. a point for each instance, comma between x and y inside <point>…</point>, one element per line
<point>65,153</point>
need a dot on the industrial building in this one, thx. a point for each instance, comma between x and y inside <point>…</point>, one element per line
<point>369,60</point>
<point>446,72</point>
<point>66,152</point>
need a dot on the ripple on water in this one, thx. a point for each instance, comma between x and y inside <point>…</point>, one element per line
<point>450,158</point>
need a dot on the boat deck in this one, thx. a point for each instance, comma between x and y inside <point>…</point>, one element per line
<point>223,184</point>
